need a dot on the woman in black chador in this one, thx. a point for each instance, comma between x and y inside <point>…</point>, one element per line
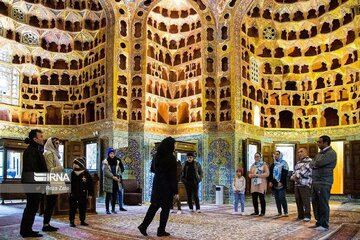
<point>164,186</point>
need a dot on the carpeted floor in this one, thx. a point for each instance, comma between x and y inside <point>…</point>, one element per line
<point>215,222</point>
<point>345,231</point>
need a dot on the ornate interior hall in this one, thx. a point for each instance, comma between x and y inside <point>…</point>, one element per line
<point>225,78</point>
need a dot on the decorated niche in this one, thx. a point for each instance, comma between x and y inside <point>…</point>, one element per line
<point>174,63</point>
<point>293,60</point>
<point>53,62</point>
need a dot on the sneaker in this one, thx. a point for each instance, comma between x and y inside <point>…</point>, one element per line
<point>72,224</point>
<point>253,214</point>
<point>192,210</point>
<point>278,215</point>
<point>234,213</point>
<point>261,214</point>
<point>198,211</point>
<point>179,212</point>
<point>84,224</point>
<point>108,212</point>
<point>286,215</point>
<point>242,213</point>
<point>306,219</point>
<point>123,209</point>
<point>113,212</point>
<point>321,228</point>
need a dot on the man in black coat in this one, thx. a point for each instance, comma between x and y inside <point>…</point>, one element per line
<point>165,186</point>
<point>191,177</point>
<point>33,161</point>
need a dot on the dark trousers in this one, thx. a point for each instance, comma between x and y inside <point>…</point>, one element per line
<point>320,203</point>
<point>302,197</point>
<point>77,203</point>
<point>164,216</point>
<point>113,197</point>
<point>32,205</point>
<point>255,196</point>
<point>49,207</point>
<point>192,191</point>
<point>280,200</point>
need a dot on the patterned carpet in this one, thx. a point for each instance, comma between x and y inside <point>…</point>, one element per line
<point>215,222</point>
<point>345,231</point>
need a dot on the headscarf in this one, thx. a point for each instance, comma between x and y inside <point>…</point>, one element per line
<point>278,166</point>
<point>49,147</point>
<point>259,170</point>
<point>164,151</point>
<point>166,147</point>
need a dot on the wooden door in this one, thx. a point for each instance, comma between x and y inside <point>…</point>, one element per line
<point>352,168</point>
<point>73,150</point>
<point>267,151</point>
<point>355,154</point>
<point>348,169</point>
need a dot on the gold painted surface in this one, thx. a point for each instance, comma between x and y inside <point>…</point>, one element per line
<point>122,104</point>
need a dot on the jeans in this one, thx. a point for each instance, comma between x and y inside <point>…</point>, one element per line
<point>320,202</point>
<point>239,196</point>
<point>280,199</point>
<point>121,194</point>
<point>113,195</point>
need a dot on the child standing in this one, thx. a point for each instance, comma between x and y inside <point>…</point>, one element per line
<point>81,189</point>
<point>239,185</point>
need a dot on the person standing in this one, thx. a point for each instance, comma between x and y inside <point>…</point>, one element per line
<point>121,187</point>
<point>302,178</point>
<point>322,179</point>
<point>278,182</point>
<point>111,172</point>
<point>239,185</point>
<point>82,188</point>
<point>33,161</point>
<point>191,177</point>
<point>52,159</point>
<point>259,172</point>
<point>165,186</point>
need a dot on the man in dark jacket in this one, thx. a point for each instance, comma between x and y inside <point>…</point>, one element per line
<point>33,161</point>
<point>322,179</point>
<point>191,177</point>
